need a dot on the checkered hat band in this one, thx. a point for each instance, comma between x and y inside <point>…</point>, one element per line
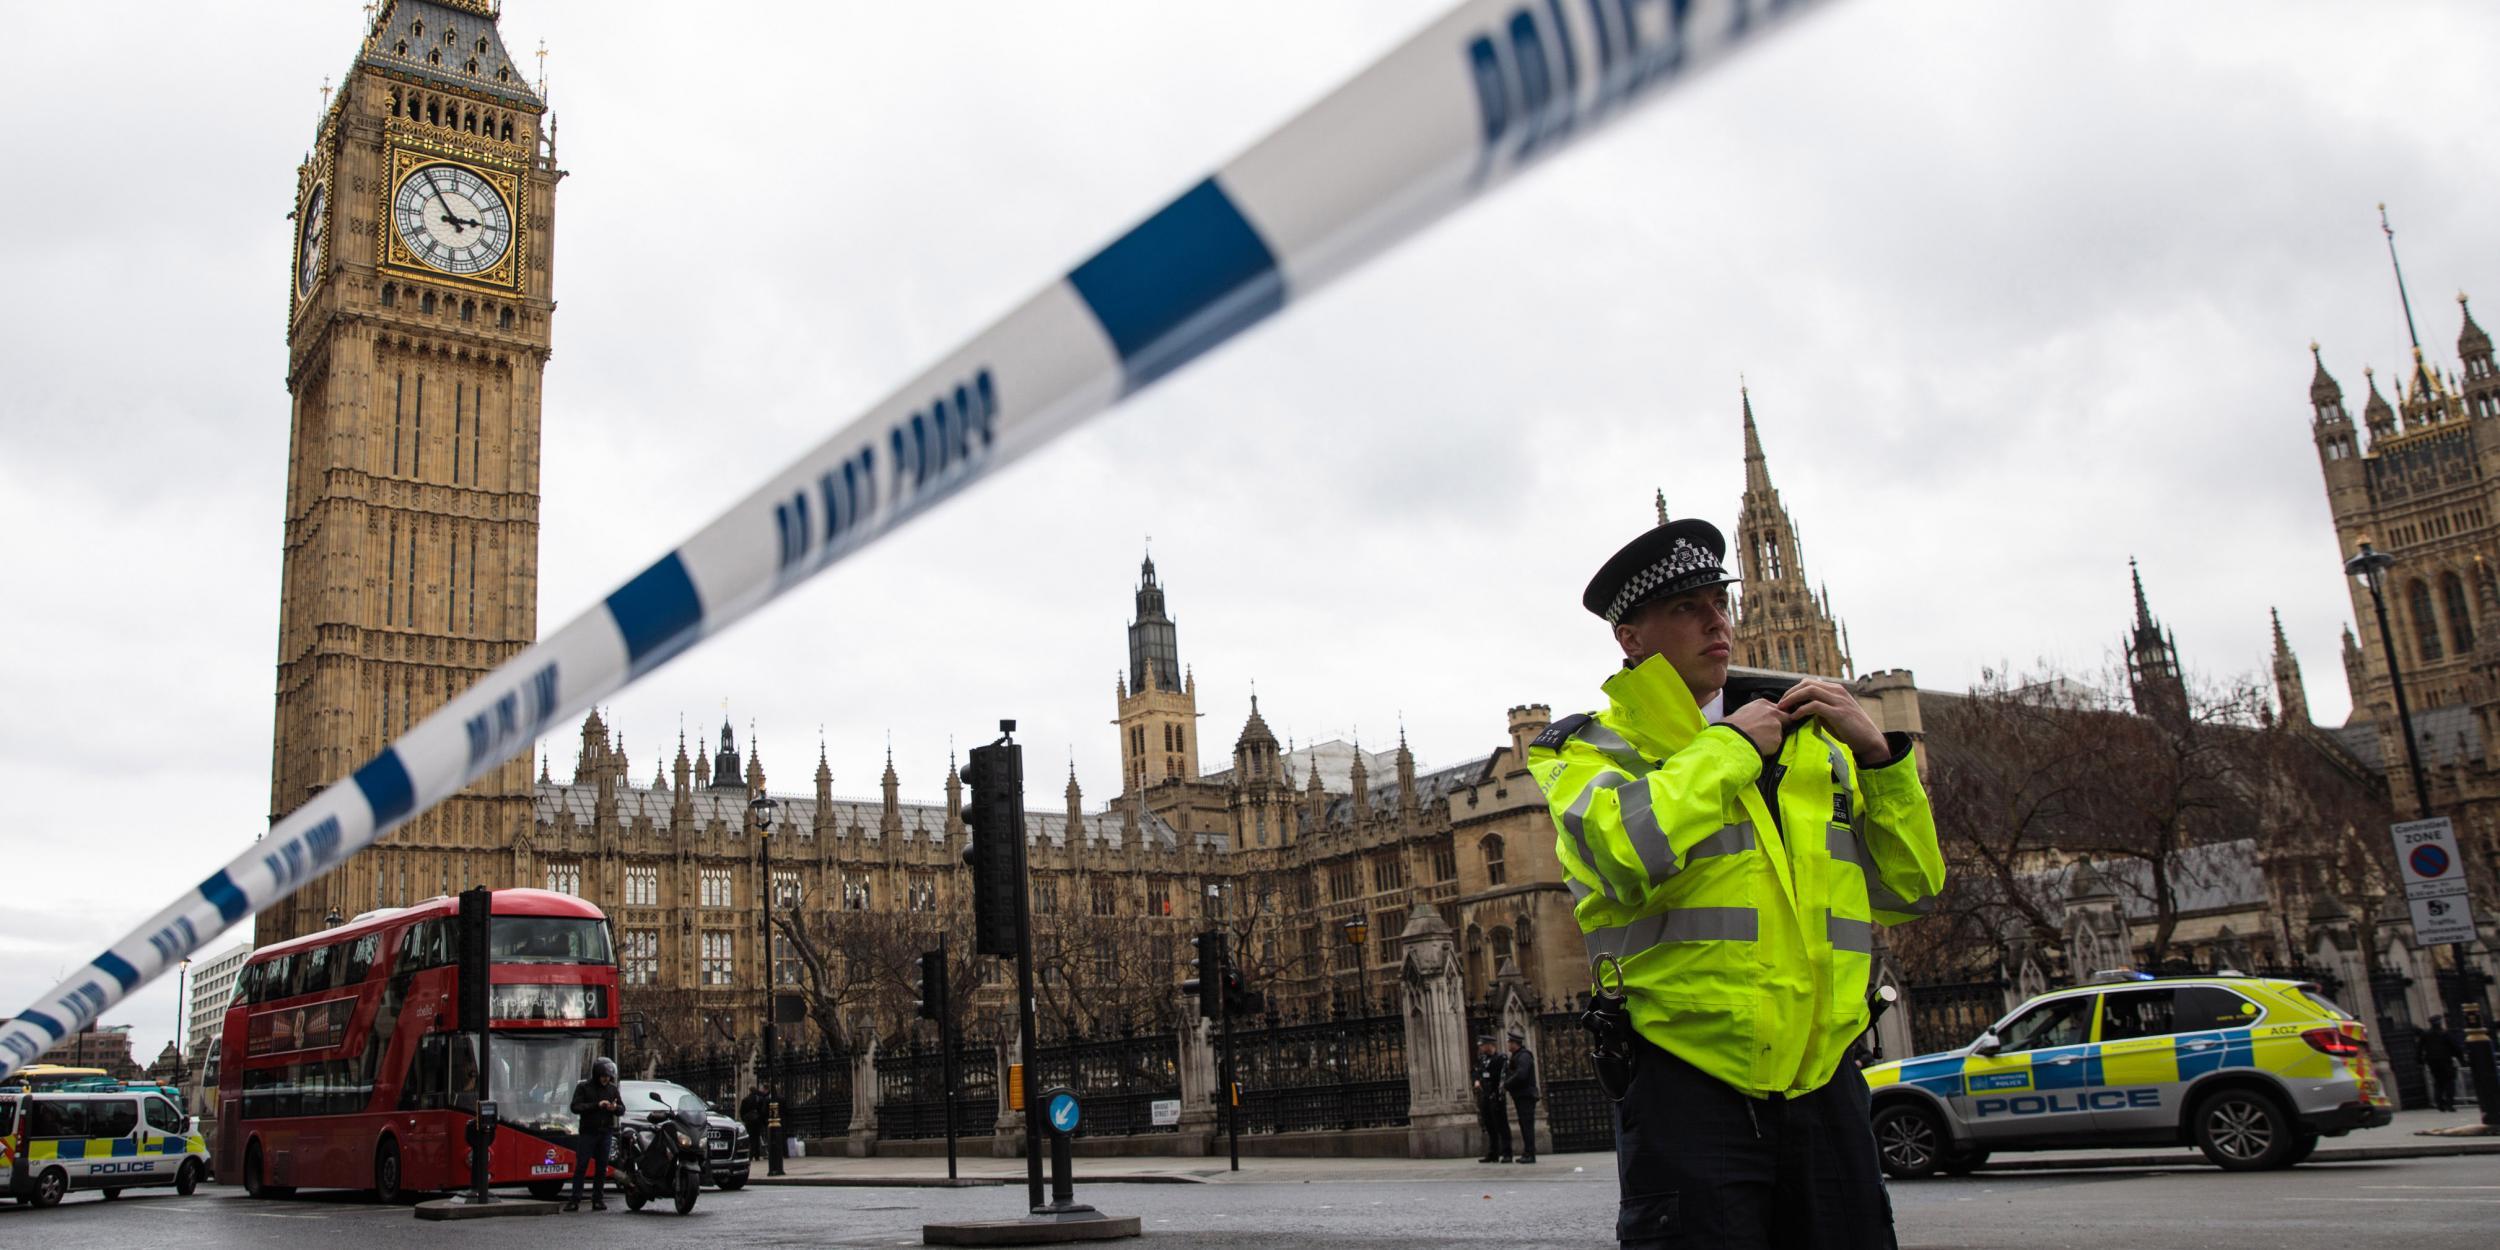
<point>1679,565</point>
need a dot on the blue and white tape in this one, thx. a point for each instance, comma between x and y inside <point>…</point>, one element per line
<point>1461,107</point>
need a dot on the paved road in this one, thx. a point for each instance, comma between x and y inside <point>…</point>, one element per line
<point>2421,1204</point>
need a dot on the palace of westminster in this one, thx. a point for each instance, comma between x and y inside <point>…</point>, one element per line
<point>420,311</point>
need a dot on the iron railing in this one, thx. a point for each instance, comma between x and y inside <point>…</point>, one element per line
<point>1116,1080</point>
<point>1323,1076</point>
<point>911,1080</point>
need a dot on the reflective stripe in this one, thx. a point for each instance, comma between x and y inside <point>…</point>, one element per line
<point>1683,924</point>
<point>1572,818</point>
<point>1613,747</point>
<point>1579,889</point>
<point>1728,841</point>
<point>1850,935</point>
<point>1844,845</point>
<point>1640,825</point>
<point>1881,898</point>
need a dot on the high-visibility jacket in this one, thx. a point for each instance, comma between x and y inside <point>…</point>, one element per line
<point>1743,928</point>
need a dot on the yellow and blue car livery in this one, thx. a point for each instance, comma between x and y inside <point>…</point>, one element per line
<point>2253,1071</point>
<point>52,1143</point>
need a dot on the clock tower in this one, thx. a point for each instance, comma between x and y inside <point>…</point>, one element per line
<point>417,336</point>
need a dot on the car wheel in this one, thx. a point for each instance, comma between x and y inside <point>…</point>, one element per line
<point>1962,1162</point>
<point>388,1189</point>
<point>187,1180</point>
<point>2302,1145</point>
<point>50,1187</point>
<point>1910,1140</point>
<point>111,1192</point>
<point>2241,1130</point>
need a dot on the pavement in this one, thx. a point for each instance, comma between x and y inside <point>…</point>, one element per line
<point>2404,1139</point>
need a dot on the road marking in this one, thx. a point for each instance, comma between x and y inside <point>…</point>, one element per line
<point>2431,1187</point>
<point>2480,1202</point>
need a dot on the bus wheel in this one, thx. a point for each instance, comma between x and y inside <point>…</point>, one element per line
<point>49,1187</point>
<point>188,1179</point>
<point>387,1189</point>
<point>253,1177</point>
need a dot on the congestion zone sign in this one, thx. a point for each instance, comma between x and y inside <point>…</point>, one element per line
<point>2434,881</point>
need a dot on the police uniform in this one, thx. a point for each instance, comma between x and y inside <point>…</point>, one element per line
<point>1491,1066</point>
<point>1737,896</point>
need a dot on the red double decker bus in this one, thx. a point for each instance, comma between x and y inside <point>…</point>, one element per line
<point>344,1063</point>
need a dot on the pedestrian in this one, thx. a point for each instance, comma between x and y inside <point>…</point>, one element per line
<point>2441,1049</point>
<point>753,1111</point>
<point>1490,1066</point>
<point>1729,858</point>
<point>596,1101</point>
<point>1519,1079</point>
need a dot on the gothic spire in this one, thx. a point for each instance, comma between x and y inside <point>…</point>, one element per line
<point>2143,610</point>
<point>1757,469</point>
<point>2322,387</point>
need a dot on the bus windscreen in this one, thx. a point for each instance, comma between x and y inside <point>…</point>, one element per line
<point>548,940</point>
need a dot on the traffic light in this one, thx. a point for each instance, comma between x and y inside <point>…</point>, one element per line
<point>1211,971</point>
<point>933,985</point>
<point>994,812</point>
<point>1239,1001</point>
<point>471,940</point>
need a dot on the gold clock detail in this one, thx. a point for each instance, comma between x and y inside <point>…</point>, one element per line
<point>452,219</point>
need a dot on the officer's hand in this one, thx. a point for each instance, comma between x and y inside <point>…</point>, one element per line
<point>1838,709</point>
<point>1762,722</point>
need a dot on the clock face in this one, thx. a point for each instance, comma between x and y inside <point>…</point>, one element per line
<point>314,228</point>
<point>452,219</point>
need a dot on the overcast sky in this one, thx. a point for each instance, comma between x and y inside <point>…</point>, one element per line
<point>2020,291</point>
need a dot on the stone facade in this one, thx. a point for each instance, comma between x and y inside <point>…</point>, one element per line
<point>414,366</point>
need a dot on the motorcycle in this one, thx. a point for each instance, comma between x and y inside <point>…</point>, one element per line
<point>661,1155</point>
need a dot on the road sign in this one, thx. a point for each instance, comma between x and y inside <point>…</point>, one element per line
<point>1167,1112</point>
<point>2434,877</point>
<point>1063,1113</point>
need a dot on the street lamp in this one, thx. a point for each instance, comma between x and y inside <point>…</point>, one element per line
<point>182,1027</point>
<point>2371,565</point>
<point>760,812</point>
<point>1358,931</point>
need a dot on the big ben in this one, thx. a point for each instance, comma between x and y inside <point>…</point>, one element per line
<point>417,337</point>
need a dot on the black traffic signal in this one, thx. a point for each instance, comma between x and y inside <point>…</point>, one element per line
<point>1210,970</point>
<point>1239,1001</point>
<point>933,985</point>
<point>994,812</point>
<point>472,938</point>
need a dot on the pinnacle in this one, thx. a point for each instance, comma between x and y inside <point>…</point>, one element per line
<point>1757,469</point>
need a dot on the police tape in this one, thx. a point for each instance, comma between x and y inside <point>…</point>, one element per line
<point>1479,95</point>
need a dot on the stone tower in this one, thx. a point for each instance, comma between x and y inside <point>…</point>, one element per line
<point>1261,796</point>
<point>2154,678</point>
<point>1158,701</point>
<point>1782,622</point>
<point>417,335</point>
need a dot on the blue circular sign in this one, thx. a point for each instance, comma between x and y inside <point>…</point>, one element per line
<point>1063,1112</point>
<point>2429,860</point>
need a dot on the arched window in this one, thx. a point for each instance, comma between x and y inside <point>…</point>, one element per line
<point>503,320</point>
<point>390,295</point>
<point>1491,847</point>
<point>1475,958</point>
<point>1524,935</point>
<point>468,310</point>
<point>1501,948</point>
<point>433,111</point>
<point>428,304</point>
<point>2425,623</point>
<point>2460,611</point>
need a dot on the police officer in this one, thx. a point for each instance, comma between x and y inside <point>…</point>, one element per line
<point>1490,1067</point>
<point>1729,864</point>
<point>1520,1080</point>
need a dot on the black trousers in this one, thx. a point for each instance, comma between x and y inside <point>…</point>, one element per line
<point>2443,1085</point>
<point>1526,1103</point>
<point>1496,1126</point>
<point>590,1158</point>
<point>1704,1165</point>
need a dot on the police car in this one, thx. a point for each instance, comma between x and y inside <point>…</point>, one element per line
<point>2252,1070</point>
<point>108,1139</point>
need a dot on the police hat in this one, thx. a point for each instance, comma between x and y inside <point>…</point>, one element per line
<point>1484,1039</point>
<point>1673,558</point>
<point>1517,1036</point>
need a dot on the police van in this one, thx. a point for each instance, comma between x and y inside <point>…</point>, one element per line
<point>2252,1070</point>
<point>103,1139</point>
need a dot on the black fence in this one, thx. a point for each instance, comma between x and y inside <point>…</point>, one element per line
<point>1946,1014</point>
<point>1577,1111</point>
<point>1116,1080</point>
<point>713,1077</point>
<point>815,1090</point>
<point>1322,1076</point>
<point>912,1090</point>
